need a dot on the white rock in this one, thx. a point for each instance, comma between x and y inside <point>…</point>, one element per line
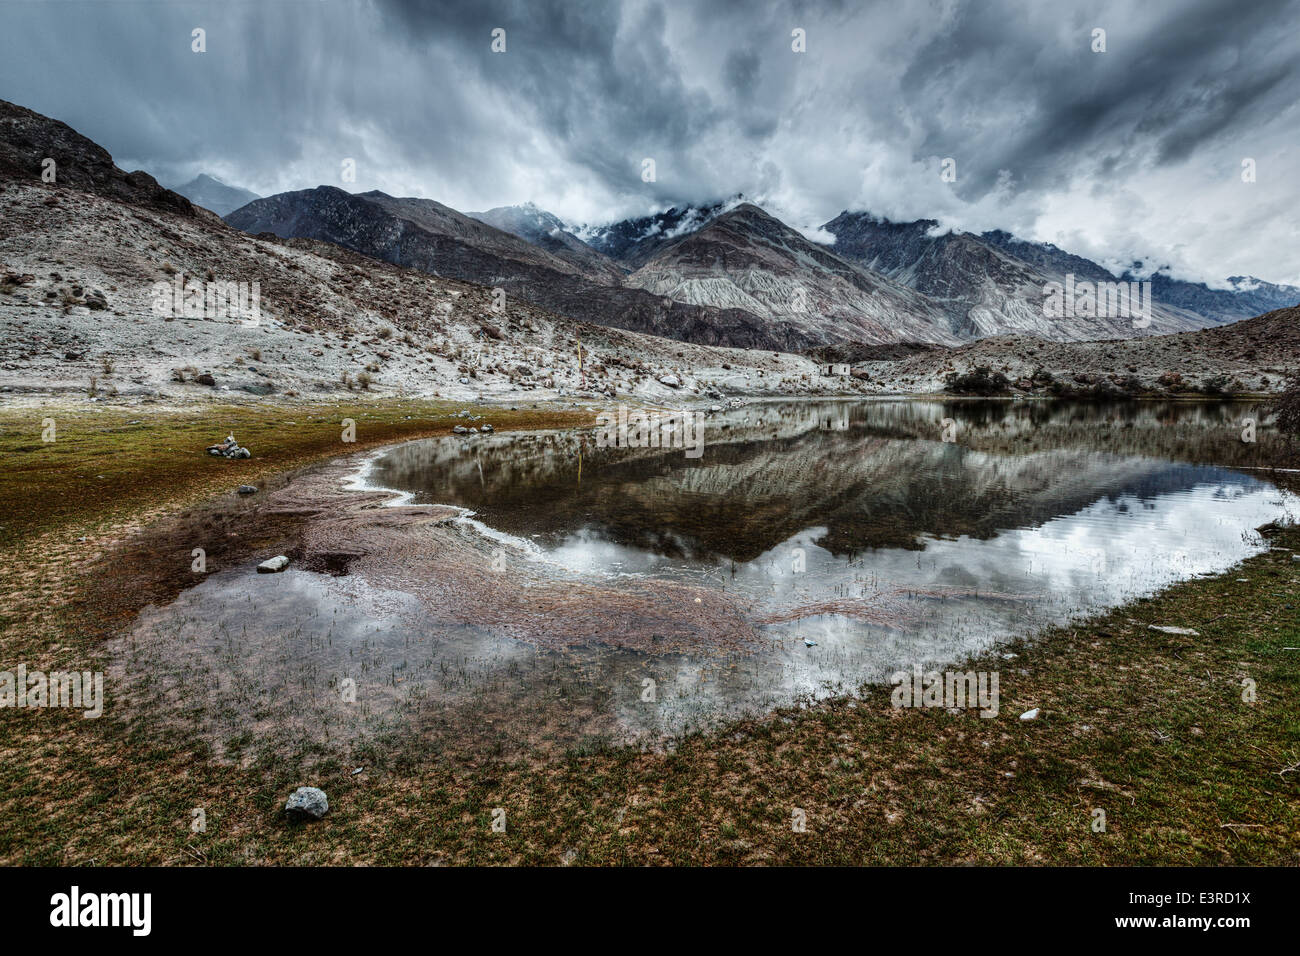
<point>1030,714</point>
<point>272,565</point>
<point>1174,630</point>
<point>307,802</point>
<point>672,381</point>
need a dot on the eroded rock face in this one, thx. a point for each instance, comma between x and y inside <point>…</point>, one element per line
<point>307,803</point>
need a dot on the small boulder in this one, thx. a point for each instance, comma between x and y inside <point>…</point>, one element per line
<point>460,430</point>
<point>247,490</point>
<point>672,381</point>
<point>307,803</point>
<point>1030,714</point>
<point>273,565</point>
<point>488,428</point>
<point>205,378</point>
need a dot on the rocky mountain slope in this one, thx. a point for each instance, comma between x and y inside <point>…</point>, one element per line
<point>436,239</point>
<point>1246,296</point>
<point>984,288</point>
<point>211,193</point>
<point>746,259</point>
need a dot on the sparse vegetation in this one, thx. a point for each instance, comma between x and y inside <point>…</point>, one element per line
<point>981,381</point>
<point>1287,410</point>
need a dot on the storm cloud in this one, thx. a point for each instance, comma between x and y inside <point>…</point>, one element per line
<point>1131,153</point>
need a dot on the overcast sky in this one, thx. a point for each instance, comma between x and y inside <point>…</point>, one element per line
<point>1131,153</point>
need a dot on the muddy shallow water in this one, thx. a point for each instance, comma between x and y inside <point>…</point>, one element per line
<point>850,537</point>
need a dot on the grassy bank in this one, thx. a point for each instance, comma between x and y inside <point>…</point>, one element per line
<point>110,464</point>
<point>1149,727</point>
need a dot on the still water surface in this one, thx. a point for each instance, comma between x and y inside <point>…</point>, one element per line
<point>1034,515</point>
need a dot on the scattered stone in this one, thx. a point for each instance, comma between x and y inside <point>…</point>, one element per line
<point>672,381</point>
<point>247,490</point>
<point>460,430</point>
<point>307,803</point>
<point>809,642</point>
<point>1030,714</point>
<point>229,449</point>
<point>273,565</point>
<point>1186,631</point>
<point>488,428</point>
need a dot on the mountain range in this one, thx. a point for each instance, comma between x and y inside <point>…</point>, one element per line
<point>398,296</point>
<point>725,273</point>
<point>729,273</point>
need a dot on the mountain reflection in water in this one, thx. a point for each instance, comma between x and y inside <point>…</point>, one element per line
<point>858,542</point>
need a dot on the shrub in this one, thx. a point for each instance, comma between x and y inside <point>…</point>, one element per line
<point>1287,409</point>
<point>982,381</point>
<point>1217,385</point>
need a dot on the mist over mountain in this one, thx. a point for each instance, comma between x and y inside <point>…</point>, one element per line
<point>211,193</point>
<point>634,241</point>
<point>547,232</point>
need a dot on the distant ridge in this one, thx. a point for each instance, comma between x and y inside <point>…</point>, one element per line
<point>211,193</point>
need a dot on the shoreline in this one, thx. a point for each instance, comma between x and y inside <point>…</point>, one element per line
<point>697,803</point>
